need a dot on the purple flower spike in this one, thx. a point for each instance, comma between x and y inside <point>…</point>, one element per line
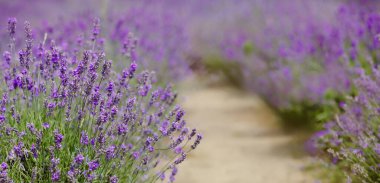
<point>93,165</point>
<point>79,159</point>
<point>56,176</point>
<point>84,138</point>
<point>180,159</point>
<point>96,29</point>
<point>4,166</point>
<point>110,152</point>
<point>197,141</point>
<point>46,125</point>
<point>12,26</point>
<point>114,179</point>
<point>58,137</point>
<point>136,155</point>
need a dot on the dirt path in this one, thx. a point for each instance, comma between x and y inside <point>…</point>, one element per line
<point>241,141</point>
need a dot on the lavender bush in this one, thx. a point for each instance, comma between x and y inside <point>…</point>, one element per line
<point>68,117</point>
<point>352,139</point>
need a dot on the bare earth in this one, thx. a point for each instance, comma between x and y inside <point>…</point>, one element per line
<point>242,143</point>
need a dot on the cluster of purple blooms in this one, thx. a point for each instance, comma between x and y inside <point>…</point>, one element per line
<point>67,116</point>
<point>352,139</point>
<point>154,25</point>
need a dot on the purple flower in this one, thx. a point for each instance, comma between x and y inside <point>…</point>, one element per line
<point>143,90</point>
<point>180,159</point>
<point>56,176</point>
<point>177,142</point>
<point>162,176</point>
<point>130,103</point>
<point>114,179</point>
<point>101,139</point>
<point>4,166</point>
<point>7,58</point>
<point>164,128</point>
<point>110,88</point>
<point>106,68</point>
<point>2,118</point>
<point>33,149</point>
<point>79,159</point>
<point>114,111</point>
<point>96,96</point>
<point>180,114</point>
<point>18,149</point>
<point>155,96</point>
<point>54,162</point>
<point>197,141</point>
<point>150,148</point>
<point>31,128</point>
<point>96,29</point>
<point>136,155</point>
<point>122,129</point>
<point>173,174</point>
<point>93,165</point>
<point>90,176</point>
<point>71,174</point>
<point>149,141</point>
<point>93,141</point>
<point>84,138</point>
<point>12,26</point>
<point>193,132</point>
<point>58,137</point>
<point>46,125</point>
<point>110,152</point>
<point>132,69</point>
<point>178,150</point>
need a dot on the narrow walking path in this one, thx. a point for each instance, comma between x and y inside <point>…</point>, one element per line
<point>242,143</point>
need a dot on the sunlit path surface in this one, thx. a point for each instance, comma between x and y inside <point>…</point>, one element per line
<point>241,141</point>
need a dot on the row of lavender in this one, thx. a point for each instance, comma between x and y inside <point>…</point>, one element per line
<point>71,114</point>
<point>322,54</point>
<point>161,37</point>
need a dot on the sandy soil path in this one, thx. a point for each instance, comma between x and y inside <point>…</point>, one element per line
<point>242,143</point>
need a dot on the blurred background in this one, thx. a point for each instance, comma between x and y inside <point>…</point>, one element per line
<point>260,79</point>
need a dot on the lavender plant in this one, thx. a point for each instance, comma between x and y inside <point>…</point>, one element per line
<point>352,139</point>
<point>69,117</point>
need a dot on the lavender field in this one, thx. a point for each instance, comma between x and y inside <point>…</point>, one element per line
<point>242,91</point>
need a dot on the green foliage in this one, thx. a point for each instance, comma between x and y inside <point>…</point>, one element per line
<point>327,173</point>
<point>248,48</point>
<point>309,116</point>
<point>230,70</point>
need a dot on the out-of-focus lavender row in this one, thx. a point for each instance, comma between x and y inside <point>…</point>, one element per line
<point>319,53</point>
<point>160,35</point>
<point>291,52</point>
